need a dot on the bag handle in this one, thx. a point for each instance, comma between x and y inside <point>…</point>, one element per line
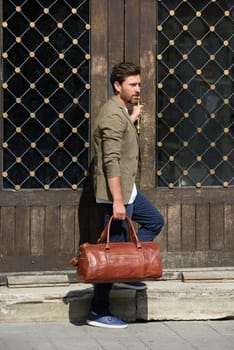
<point>106,233</point>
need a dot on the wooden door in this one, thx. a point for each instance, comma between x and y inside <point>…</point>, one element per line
<point>40,228</point>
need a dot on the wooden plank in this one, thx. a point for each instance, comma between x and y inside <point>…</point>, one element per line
<point>47,198</point>
<point>96,224</point>
<point>202,226</point>
<point>7,231</point>
<point>171,260</point>
<point>216,226</point>
<point>77,229</point>
<point>188,227</point>
<point>52,230</point>
<point>53,262</point>
<point>99,57</point>
<point>162,238</point>
<point>174,227</point>
<point>147,63</point>
<point>115,33</point>
<point>162,196</point>
<point>85,216</point>
<point>180,259</point>
<point>67,230</point>
<point>37,229</point>
<point>22,232</point>
<point>192,195</point>
<point>229,227</point>
<point>132,30</point>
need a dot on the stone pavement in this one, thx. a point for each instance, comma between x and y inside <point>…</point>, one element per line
<point>171,335</point>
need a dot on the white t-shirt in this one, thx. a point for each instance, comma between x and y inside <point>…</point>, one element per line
<point>131,199</point>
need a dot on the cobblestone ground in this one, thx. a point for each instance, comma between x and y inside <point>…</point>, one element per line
<point>181,335</point>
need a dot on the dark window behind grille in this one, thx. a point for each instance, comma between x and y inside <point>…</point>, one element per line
<point>195,93</point>
<point>46,93</point>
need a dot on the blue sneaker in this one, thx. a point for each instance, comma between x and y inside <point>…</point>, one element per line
<point>131,285</point>
<point>107,321</point>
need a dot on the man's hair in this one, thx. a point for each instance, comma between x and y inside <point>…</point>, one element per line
<point>123,70</point>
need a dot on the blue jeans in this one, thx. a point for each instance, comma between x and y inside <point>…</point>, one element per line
<point>151,222</point>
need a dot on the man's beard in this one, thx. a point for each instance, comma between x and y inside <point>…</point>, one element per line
<point>134,100</point>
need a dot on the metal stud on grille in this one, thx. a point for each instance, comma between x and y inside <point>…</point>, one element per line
<point>195,128</point>
<point>46,93</point>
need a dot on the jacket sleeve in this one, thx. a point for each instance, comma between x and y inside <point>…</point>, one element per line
<point>113,128</point>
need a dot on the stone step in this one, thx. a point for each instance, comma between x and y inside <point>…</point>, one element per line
<point>63,278</point>
<point>172,300</point>
<point>208,275</point>
<point>162,300</point>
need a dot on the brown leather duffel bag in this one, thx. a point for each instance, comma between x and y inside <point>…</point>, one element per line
<point>133,260</point>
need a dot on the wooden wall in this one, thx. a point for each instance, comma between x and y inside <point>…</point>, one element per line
<point>40,230</point>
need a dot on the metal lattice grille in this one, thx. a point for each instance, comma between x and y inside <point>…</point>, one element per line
<point>195,93</point>
<point>46,93</point>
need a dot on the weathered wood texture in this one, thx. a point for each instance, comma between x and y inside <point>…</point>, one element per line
<point>147,36</point>
<point>46,237</point>
<point>40,230</point>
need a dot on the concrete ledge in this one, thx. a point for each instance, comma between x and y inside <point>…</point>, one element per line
<point>181,301</point>
<point>208,276</point>
<point>42,303</point>
<point>37,280</point>
<point>163,300</point>
<point>59,303</point>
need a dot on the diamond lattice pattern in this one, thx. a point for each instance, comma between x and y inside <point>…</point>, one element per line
<point>46,93</point>
<point>195,93</point>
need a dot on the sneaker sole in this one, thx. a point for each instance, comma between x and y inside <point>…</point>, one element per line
<point>124,286</point>
<point>104,325</point>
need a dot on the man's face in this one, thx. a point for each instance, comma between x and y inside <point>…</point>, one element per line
<point>129,90</point>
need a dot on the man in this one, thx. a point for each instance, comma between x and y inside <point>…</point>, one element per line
<point>115,169</point>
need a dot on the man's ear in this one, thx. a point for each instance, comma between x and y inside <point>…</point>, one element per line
<point>117,86</point>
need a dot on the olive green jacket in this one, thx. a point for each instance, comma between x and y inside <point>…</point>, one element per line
<point>116,150</point>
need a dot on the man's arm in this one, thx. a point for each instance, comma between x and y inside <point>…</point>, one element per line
<point>119,210</point>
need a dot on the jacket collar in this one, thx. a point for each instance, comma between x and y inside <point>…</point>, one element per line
<point>115,99</point>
